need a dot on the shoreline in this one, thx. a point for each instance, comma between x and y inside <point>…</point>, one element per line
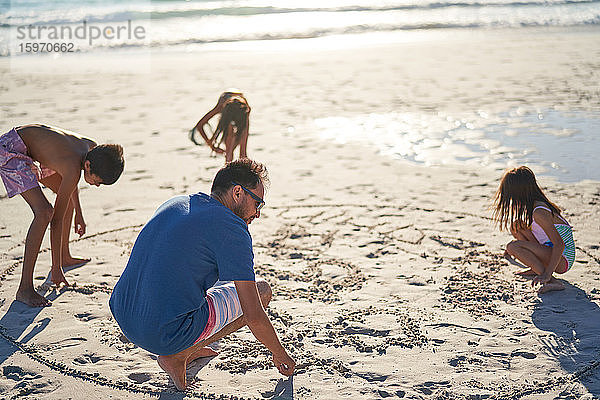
<point>332,42</point>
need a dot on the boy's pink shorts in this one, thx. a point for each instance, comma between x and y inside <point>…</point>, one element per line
<point>18,171</point>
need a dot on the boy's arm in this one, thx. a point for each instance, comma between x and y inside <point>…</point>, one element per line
<point>261,327</point>
<point>79,224</point>
<point>67,186</point>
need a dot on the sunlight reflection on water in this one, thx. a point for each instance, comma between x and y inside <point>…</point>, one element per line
<point>560,144</point>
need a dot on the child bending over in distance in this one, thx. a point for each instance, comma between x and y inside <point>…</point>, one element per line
<point>544,239</point>
<point>232,129</point>
<point>61,156</point>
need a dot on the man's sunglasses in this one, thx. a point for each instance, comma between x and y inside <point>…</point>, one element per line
<point>261,202</point>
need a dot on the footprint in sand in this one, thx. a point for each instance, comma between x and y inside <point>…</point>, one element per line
<point>385,394</point>
<point>429,387</point>
<point>69,342</point>
<point>373,377</point>
<point>85,317</point>
<point>524,354</point>
<point>464,363</point>
<point>456,361</point>
<point>87,359</point>
<point>351,330</point>
<point>28,383</point>
<point>139,377</point>
<point>16,373</point>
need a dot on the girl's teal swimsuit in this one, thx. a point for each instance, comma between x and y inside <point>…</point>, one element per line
<point>566,233</point>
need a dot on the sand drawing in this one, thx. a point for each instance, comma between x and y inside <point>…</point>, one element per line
<point>357,311</point>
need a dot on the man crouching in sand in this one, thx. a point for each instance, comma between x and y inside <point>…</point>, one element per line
<point>166,300</point>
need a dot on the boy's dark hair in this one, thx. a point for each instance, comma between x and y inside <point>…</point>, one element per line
<point>106,161</point>
<point>244,171</point>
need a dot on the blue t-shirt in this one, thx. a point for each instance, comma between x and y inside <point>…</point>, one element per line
<point>188,244</point>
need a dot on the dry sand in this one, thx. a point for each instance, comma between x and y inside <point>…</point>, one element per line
<point>388,278</point>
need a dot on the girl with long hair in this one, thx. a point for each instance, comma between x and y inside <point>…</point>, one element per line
<point>544,239</point>
<point>233,126</point>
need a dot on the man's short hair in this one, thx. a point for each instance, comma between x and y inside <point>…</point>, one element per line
<point>106,161</point>
<point>244,171</point>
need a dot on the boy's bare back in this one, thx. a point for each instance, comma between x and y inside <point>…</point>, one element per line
<point>60,150</point>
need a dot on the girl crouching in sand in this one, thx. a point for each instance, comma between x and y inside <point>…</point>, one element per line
<point>232,129</point>
<point>544,239</point>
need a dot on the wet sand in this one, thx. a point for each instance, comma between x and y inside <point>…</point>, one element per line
<point>388,277</point>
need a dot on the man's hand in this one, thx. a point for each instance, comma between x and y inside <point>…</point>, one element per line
<point>284,364</point>
<point>261,327</point>
<point>79,225</point>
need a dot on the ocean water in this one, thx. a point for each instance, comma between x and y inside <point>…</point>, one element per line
<point>170,23</point>
<point>563,145</point>
<point>556,143</point>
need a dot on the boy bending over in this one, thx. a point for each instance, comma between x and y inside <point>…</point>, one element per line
<point>61,155</point>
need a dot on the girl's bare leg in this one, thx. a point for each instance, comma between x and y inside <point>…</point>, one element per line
<point>244,144</point>
<point>42,214</point>
<point>526,273</point>
<point>523,233</point>
<point>229,144</point>
<point>535,256</point>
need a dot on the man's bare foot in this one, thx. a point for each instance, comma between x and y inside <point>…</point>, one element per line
<point>74,261</point>
<point>552,285</point>
<point>202,352</point>
<point>32,298</point>
<point>176,370</point>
